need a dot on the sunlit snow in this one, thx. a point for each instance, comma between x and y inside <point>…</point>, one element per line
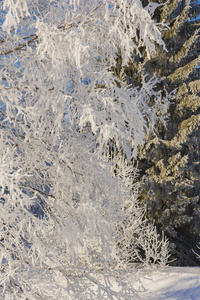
<point>172,283</point>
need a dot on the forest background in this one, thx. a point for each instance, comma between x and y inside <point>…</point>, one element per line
<point>120,121</point>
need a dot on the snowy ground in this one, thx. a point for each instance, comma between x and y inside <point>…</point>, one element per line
<point>173,283</point>
<point>170,283</point>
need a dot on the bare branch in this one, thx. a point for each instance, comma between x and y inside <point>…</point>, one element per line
<point>20,47</point>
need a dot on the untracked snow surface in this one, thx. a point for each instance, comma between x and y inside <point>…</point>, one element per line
<point>173,283</point>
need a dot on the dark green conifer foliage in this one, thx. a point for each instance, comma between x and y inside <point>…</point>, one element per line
<point>170,162</point>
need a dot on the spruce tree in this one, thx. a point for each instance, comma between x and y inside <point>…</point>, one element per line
<point>170,161</point>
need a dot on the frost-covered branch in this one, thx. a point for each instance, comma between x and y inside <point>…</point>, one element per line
<point>61,109</point>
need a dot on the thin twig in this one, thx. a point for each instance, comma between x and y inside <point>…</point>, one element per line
<point>20,46</point>
<point>37,190</point>
<point>15,133</point>
<point>35,36</point>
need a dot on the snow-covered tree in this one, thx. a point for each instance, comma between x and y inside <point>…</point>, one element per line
<point>169,161</point>
<point>63,214</point>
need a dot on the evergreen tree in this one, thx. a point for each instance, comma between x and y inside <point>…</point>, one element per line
<point>170,161</point>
